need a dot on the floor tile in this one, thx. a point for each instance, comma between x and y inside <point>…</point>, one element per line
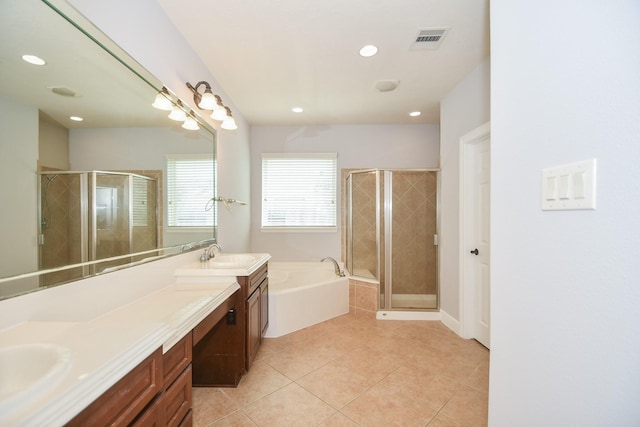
<point>290,406</point>
<point>468,406</point>
<point>260,381</point>
<point>381,406</point>
<point>355,370</point>
<point>335,384</point>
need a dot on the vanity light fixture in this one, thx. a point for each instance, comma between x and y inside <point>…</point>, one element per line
<point>206,100</point>
<point>229,123</point>
<point>190,123</point>
<point>177,113</point>
<point>163,100</point>
<point>210,101</point>
<point>220,111</point>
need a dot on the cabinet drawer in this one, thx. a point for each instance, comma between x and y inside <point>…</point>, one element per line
<point>177,359</point>
<point>251,283</point>
<point>122,403</point>
<point>177,399</point>
<point>153,416</point>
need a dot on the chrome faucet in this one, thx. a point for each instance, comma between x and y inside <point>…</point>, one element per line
<point>335,265</point>
<point>210,252</point>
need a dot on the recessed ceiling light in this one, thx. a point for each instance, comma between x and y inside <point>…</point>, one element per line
<point>297,109</point>
<point>76,118</point>
<point>32,59</point>
<point>368,50</point>
<point>415,113</point>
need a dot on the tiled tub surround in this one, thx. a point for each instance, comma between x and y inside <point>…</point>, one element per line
<point>110,323</point>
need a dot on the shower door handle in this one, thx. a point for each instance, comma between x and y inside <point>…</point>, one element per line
<point>475,251</point>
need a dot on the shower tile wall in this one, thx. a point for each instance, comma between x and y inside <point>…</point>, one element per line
<point>60,226</point>
<point>364,225</point>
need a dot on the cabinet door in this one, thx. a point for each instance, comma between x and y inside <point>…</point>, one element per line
<point>253,326</point>
<point>264,303</point>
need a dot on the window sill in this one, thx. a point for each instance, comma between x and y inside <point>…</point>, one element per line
<point>299,229</point>
<point>188,229</point>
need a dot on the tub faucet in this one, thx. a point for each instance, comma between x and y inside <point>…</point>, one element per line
<point>210,253</point>
<point>335,265</point>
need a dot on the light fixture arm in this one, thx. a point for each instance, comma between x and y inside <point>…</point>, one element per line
<point>197,96</point>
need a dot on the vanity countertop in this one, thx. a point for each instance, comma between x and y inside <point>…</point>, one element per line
<point>224,265</point>
<point>105,348</point>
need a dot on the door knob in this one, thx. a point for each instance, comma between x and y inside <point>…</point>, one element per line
<point>475,251</point>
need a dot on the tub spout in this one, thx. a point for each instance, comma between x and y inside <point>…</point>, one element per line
<point>339,272</point>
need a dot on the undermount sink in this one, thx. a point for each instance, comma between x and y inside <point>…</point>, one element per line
<point>232,260</point>
<point>28,370</point>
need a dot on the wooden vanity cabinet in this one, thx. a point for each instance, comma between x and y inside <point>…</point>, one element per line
<point>127,399</point>
<point>156,393</point>
<point>255,290</point>
<point>177,370</point>
<point>219,345</point>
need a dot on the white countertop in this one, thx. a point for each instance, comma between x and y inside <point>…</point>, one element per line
<point>209,268</point>
<point>107,347</point>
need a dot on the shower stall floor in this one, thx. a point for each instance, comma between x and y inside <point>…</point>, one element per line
<point>412,301</point>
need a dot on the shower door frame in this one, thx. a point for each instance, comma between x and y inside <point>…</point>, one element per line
<point>386,283</point>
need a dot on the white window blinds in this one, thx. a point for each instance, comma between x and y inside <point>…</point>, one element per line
<point>190,188</point>
<point>299,190</point>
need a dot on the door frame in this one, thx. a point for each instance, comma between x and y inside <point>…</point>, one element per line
<point>467,144</point>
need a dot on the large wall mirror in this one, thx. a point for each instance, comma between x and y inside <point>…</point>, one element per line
<point>86,197</point>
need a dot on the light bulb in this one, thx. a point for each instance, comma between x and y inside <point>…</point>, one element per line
<point>190,123</point>
<point>162,102</point>
<point>229,124</point>
<point>207,101</point>
<point>177,114</point>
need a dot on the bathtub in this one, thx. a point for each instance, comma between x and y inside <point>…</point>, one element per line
<point>302,294</point>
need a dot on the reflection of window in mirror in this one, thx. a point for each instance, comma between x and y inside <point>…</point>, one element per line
<point>140,204</point>
<point>190,189</point>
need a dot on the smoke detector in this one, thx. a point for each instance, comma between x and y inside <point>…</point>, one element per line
<point>386,85</point>
<point>64,91</point>
<point>429,38</point>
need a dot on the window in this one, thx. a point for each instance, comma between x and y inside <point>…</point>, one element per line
<point>299,191</point>
<point>190,188</point>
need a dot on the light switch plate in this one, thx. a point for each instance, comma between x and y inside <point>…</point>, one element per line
<point>568,187</point>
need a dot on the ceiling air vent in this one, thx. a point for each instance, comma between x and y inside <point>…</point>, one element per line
<point>429,38</point>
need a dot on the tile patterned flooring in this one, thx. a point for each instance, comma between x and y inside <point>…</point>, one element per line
<point>354,370</point>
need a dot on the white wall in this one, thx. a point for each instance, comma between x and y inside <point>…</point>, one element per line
<point>463,109</point>
<point>382,146</point>
<point>565,86</point>
<point>142,29</point>
<point>18,220</point>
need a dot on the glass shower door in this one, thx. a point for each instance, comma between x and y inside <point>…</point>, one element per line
<point>412,228</point>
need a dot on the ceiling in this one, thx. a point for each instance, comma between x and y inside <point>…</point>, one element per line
<point>270,56</point>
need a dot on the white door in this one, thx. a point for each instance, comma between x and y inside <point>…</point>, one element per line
<point>476,289</point>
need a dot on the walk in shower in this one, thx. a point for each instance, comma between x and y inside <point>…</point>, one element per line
<point>88,216</point>
<point>391,235</point>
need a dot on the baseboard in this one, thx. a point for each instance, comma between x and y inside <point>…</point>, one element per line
<point>451,323</point>
<point>408,315</point>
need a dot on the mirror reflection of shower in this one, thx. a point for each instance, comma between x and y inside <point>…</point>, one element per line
<point>87,216</point>
<point>45,218</point>
<point>391,235</point>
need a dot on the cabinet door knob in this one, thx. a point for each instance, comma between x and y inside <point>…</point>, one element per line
<point>475,251</point>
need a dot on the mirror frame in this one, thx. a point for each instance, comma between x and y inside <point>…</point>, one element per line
<point>101,41</point>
